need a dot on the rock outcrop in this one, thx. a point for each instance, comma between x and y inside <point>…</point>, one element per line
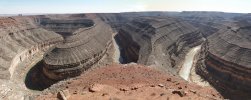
<point>81,48</point>
<point>225,60</point>
<point>160,41</point>
<point>21,38</point>
<point>130,81</point>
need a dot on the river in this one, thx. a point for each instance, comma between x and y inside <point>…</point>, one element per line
<point>117,56</point>
<point>188,63</point>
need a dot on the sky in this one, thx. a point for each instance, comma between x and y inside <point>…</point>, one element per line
<point>108,6</point>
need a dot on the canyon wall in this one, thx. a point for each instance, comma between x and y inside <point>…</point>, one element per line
<point>63,26</point>
<point>80,50</point>
<point>207,22</point>
<point>225,60</point>
<point>158,41</point>
<point>21,38</point>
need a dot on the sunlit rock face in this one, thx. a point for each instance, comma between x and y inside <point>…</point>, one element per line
<point>85,43</point>
<point>225,60</point>
<point>21,38</point>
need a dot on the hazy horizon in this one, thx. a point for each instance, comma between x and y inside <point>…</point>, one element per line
<point>115,6</point>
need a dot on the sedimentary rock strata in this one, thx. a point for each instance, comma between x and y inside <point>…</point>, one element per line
<point>65,27</point>
<point>20,38</point>
<point>157,41</point>
<point>82,48</point>
<point>225,60</point>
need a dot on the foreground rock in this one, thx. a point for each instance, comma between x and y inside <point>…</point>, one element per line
<point>124,82</point>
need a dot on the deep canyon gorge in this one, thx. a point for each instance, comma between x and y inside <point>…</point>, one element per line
<point>42,55</point>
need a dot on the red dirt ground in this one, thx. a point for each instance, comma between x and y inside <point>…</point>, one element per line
<point>131,82</point>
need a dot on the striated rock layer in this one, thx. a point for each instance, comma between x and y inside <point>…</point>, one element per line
<point>160,41</point>
<point>65,27</point>
<point>80,49</point>
<point>21,38</point>
<point>225,60</point>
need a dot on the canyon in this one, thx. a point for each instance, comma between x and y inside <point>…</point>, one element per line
<point>188,63</point>
<point>42,56</point>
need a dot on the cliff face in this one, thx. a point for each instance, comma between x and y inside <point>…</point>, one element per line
<point>20,38</point>
<point>65,27</point>
<point>157,41</point>
<point>70,44</point>
<point>81,48</point>
<point>130,51</point>
<point>225,60</point>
